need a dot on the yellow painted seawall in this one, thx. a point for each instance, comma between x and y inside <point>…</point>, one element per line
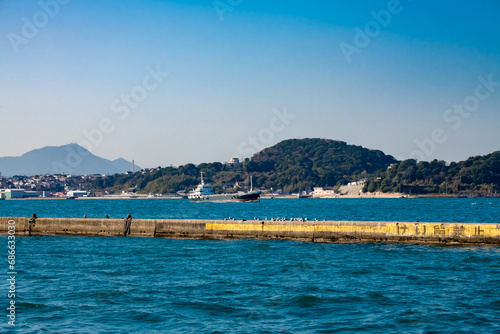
<point>325,231</point>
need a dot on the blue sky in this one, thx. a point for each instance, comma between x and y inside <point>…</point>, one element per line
<point>233,70</point>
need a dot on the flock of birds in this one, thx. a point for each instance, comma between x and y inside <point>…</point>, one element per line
<point>279,219</point>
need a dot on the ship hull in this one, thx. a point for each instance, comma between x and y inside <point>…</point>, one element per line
<point>252,196</point>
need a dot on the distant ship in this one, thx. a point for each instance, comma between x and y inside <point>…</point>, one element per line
<point>204,193</point>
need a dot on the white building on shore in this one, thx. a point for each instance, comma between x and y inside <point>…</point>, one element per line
<point>320,192</point>
<point>17,193</point>
<point>77,193</point>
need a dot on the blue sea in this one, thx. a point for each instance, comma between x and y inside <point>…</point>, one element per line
<point>152,285</point>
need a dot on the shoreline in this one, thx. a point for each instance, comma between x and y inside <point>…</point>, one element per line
<point>268,197</point>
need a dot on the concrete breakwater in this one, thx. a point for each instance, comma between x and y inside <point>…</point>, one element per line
<point>315,231</point>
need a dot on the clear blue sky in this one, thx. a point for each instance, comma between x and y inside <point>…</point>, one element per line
<point>231,69</point>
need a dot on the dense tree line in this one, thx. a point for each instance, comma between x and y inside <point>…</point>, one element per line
<point>477,174</point>
<point>304,163</point>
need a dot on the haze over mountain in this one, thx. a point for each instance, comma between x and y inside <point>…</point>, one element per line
<point>67,159</point>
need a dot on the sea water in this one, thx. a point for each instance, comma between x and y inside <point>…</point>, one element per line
<point>472,210</point>
<point>153,285</point>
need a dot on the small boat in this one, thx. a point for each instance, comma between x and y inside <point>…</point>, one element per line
<point>303,194</point>
<point>204,193</point>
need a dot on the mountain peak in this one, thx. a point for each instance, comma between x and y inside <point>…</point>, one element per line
<point>53,149</point>
<point>68,159</point>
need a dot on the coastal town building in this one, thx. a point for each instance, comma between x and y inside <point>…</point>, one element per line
<point>359,182</point>
<point>17,193</point>
<point>320,192</point>
<point>233,163</point>
<point>77,193</point>
<point>14,193</point>
<point>44,185</point>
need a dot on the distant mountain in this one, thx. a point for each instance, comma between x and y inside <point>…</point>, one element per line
<point>68,159</point>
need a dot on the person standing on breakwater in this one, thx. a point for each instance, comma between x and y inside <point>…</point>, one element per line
<point>126,225</point>
<point>31,223</point>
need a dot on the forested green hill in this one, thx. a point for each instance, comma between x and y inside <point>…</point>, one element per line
<point>303,163</point>
<point>300,164</point>
<point>477,174</point>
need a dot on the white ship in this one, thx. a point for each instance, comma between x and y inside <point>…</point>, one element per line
<point>204,193</point>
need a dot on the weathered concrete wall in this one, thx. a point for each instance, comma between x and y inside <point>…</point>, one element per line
<point>346,231</point>
<point>77,226</point>
<point>326,231</point>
